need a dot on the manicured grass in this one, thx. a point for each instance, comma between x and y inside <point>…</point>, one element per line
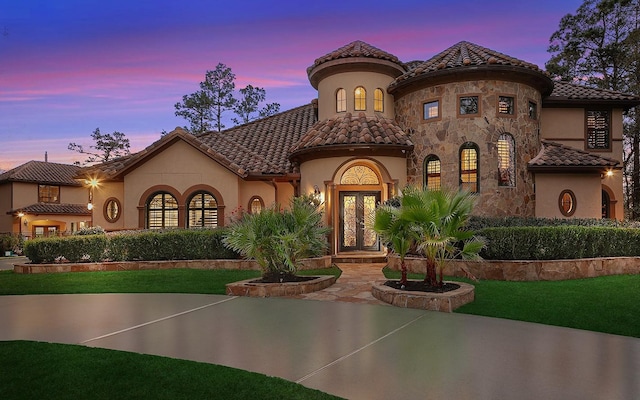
<point>609,304</point>
<point>35,370</point>
<point>148,281</point>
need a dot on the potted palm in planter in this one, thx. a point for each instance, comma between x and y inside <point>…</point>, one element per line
<point>432,224</point>
<point>278,240</point>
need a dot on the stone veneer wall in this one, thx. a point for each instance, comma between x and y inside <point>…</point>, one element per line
<point>443,138</point>
<point>535,270</point>
<point>310,263</point>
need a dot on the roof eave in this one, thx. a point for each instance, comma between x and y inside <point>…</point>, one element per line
<point>353,64</point>
<point>350,150</point>
<point>567,102</point>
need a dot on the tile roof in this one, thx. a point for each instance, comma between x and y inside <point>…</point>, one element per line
<point>356,48</point>
<point>44,173</point>
<point>464,55</point>
<point>555,155</point>
<point>567,91</point>
<point>52,208</point>
<point>256,148</point>
<point>349,130</point>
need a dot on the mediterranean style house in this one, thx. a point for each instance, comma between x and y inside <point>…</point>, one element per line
<point>468,118</point>
<point>42,199</point>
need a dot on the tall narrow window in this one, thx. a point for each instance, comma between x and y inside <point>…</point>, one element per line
<point>598,126</point>
<point>256,205</point>
<point>162,211</point>
<point>432,173</point>
<point>341,100</point>
<point>360,96</point>
<point>506,160</point>
<point>378,100</point>
<point>203,211</point>
<point>469,167</point>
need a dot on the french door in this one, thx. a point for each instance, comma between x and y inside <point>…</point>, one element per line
<point>356,209</point>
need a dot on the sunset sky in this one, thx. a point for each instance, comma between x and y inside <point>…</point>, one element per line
<point>70,66</point>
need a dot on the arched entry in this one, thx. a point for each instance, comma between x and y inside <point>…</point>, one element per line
<point>608,203</point>
<point>359,191</point>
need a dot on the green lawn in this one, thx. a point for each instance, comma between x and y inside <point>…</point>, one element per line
<point>148,281</point>
<point>609,304</point>
<point>35,370</point>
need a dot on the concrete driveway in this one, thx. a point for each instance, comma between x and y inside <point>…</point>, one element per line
<point>6,263</point>
<point>357,351</point>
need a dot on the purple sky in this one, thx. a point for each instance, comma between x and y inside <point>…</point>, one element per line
<point>70,66</point>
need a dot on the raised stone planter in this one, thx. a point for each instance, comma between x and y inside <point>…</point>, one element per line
<point>250,289</point>
<point>308,263</point>
<point>444,302</point>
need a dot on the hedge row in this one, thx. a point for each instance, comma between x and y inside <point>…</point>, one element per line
<point>145,246</point>
<point>476,223</point>
<point>559,242</point>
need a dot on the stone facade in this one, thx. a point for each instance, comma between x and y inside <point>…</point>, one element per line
<point>443,137</point>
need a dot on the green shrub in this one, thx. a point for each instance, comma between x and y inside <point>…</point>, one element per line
<point>89,248</point>
<point>559,242</point>
<point>476,223</point>
<point>9,242</point>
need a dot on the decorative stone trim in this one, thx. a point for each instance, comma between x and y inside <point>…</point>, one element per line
<point>247,288</point>
<point>444,302</point>
<point>529,270</point>
<point>309,263</point>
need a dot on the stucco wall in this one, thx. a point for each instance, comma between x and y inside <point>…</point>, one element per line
<point>6,202</point>
<point>549,187</point>
<point>101,194</point>
<point>444,136</point>
<point>349,81</point>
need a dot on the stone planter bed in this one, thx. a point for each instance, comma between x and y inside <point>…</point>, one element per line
<point>310,263</point>
<point>252,289</point>
<point>524,270</point>
<point>444,302</point>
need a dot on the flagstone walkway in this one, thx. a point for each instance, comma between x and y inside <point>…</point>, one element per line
<point>353,286</point>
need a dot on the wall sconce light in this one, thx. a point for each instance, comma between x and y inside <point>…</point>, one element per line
<point>20,214</point>
<point>610,172</point>
<point>25,222</point>
<point>316,195</point>
<point>316,190</point>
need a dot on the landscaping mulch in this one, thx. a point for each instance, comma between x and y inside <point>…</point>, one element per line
<point>421,286</point>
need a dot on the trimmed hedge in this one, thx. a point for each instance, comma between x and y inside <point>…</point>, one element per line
<point>476,223</point>
<point>130,246</point>
<point>559,242</point>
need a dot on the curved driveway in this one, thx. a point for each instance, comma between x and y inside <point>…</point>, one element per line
<point>357,351</point>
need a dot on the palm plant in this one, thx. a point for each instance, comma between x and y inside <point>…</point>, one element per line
<point>279,240</point>
<point>432,222</point>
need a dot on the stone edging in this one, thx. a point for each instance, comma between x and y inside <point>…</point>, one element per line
<point>247,288</point>
<point>444,302</point>
<point>525,270</point>
<point>309,263</point>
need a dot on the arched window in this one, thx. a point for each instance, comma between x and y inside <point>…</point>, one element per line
<point>469,167</point>
<point>360,96</point>
<point>341,100</point>
<point>256,205</point>
<point>162,211</point>
<point>359,175</point>
<point>202,211</point>
<point>378,100</point>
<point>606,204</point>
<point>506,160</point>
<point>432,172</point>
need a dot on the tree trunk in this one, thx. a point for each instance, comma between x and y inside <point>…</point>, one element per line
<point>403,269</point>
<point>635,175</point>
<point>430,277</point>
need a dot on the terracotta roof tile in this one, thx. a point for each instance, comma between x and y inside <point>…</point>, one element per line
<point>52,208</point>
<point>43,172</point>
<point>356,48</point>
<point>464,55</point>
<point>349,129</point>
<point>570,91</point>
<point>556,155</point>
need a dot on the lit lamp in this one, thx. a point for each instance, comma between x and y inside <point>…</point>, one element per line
<point>92,183</point>
<point>20,215</point>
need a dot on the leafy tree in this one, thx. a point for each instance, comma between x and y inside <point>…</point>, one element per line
<point>248,105</point>
<point>220,85</point>
<point>105,148</point>
<point>598,46</point>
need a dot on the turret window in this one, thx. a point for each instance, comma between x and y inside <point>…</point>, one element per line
<point>360,96</point>
<point>469,167</point>
<point>506,160</point>
<point>341,100</point>
<point>432,173</point>
<point>378,100</point>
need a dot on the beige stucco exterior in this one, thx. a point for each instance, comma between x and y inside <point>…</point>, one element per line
<point>550,186</point>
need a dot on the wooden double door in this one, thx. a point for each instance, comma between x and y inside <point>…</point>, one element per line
<point>356,210</point>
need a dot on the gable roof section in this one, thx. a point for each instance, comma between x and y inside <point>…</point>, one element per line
<point>254,149</point>
<point>558,157</point>
<point>571,94</point>
<point>350,133</point>
<point>43,173</point>
<point>467,57</point>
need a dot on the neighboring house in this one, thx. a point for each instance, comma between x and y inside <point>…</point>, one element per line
<point>468,118</point>
<point>42,199</point>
